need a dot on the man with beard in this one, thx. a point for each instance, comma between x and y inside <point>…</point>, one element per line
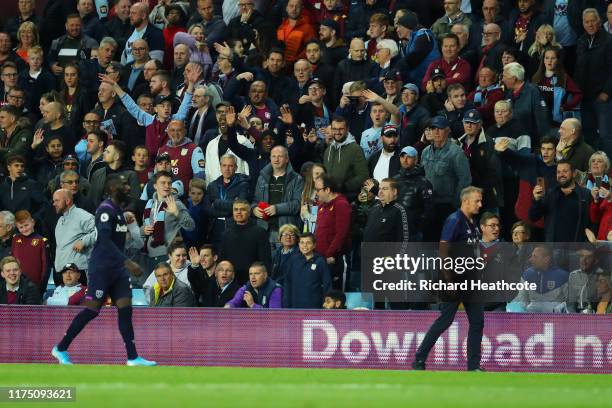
<point>334,47</point>
<point>143,30</point>
<point>565,207</point>
<point>109,274</point>
<point>385,163</point>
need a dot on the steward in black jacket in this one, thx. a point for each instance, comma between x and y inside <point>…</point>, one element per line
<point>415,195</point>
<point>387,223</point>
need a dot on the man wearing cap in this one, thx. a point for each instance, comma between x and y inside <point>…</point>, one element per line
<point>392,83</point>
<point>456,69</point>
<point>72,290</point>
<point>412,116</point>
<point>418,47</point>
<point>312,110</point>
<point>385,162</point>
<point>435,95</point>
<point>162,163</point>
<point>415,192</point>
<point>448,170</point>
<point>485,165</point>
<point>334,47</point>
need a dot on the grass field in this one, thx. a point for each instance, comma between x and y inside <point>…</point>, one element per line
<point>178,387</point>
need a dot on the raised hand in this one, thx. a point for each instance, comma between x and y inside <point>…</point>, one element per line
<point>243,116</point>
<point>286,116</point>
<point>502,144</point>
<point>194,74</point>
<point>38,138</point>
<point>230,116</point>
<point>194,256</point>
<point>371,96</point>
<point>171,207</point>
<point>224,49</point>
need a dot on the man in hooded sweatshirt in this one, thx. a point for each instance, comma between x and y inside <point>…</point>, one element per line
<point>344,159</point>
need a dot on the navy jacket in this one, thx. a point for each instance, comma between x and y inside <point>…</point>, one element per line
<point>306,282</point>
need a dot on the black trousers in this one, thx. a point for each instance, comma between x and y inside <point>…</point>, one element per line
<point>475,314</point>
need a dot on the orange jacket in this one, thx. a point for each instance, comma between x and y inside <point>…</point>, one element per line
<point>295,37</point>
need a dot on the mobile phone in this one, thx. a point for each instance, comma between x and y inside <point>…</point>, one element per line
<point>598,180</point>
<point>541,182</point>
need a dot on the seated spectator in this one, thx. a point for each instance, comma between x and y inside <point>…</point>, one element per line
<point>168,291</point>
<point>7,232</point>
<point>583,282</point>
<point>249,237</point>
<point>550,294</point>
<point>72,290</point>
<point>308,277</point>
<point>259,292</point>
<point>561,94</point>
<point>178,260</point>
<point>213,283</point>
<point>334,299</point>
<point>288,239</point>
<point>32,250</point>
<point>15,288</point>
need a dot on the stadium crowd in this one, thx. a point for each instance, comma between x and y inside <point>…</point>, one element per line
<point>262,142</point>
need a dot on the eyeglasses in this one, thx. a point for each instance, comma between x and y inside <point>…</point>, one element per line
<point>10,74</point>
<point>19,98</point>
<point>138,49</point>
<point>288,235</point>
<point>70,181</point>
<point>245,4</point>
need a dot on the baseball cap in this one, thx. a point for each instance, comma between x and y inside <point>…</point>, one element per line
<point>412,87</point>
<point>437,73</point>
<point>472,116</point>
<point>410,151</point>
<point>70,266</point>
<point>439,122</point>
<point>389,130</point>
<point>409,20</point>
<point>328,22</point>
<point>392,76</point>
<point>159,99</point>
<point>70,158</point>
<point>314,81</point>
<point>222,103</point>
<point>162,157</point>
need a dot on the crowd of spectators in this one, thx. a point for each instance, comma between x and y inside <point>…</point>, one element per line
<point>264,141</point>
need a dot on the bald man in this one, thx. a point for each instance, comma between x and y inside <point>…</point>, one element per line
<point>143,30</point>
<point>75,232</point>
<point>140,51</point>
<point>186,157</point>
<point>53,116</point>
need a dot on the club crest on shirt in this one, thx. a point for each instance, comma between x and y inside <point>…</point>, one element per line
<point>99,294</point>
<point>104,217</point>
<point>550,285</point>
<point>35,242</point>
<point>184,152</point>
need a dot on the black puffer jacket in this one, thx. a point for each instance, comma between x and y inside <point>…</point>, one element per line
<point>416,196</point>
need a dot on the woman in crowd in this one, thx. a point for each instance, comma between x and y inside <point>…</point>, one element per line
<point>194,39</point>
<point>559,91</point>
<point>27,37</point>
<point>288,238</point>
<point>545,39</point>
<point>78,100</point>
<point>309,208</point>
<point>598,174</point>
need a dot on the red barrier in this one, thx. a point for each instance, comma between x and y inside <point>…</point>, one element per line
<point>311,338</point>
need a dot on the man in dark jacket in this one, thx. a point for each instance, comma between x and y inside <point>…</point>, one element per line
<point>168,291</point>
<point>73,46</point>
<point>387,220</point>
<point>213,290</point>
<point>20,192</point>
<point>7,232</point>
<point>594,77</point>
<point>247,25</point>
<point>250,238</point>
<point>356,67</point>
<point>528,105</point>
<point>565,208</point>
<point>220,196</point>
<point>277,194</point>
<point>415,192</point>
<point>413,116</point>
<point>572,147</point>
<point>308,278</point>
<point>16,288</point>
<point>119,26</point>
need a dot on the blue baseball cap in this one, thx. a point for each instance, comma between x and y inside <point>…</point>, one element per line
<point>439,122</point>
<point>410,151</point>
<point>472,116</point>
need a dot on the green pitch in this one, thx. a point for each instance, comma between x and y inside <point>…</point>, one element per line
<point>178,387</point>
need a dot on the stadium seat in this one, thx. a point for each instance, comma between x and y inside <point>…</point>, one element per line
<point>362,300</point>
<point>138,298</point>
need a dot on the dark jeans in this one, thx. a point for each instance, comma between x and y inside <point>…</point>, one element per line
<point>475,316</point>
